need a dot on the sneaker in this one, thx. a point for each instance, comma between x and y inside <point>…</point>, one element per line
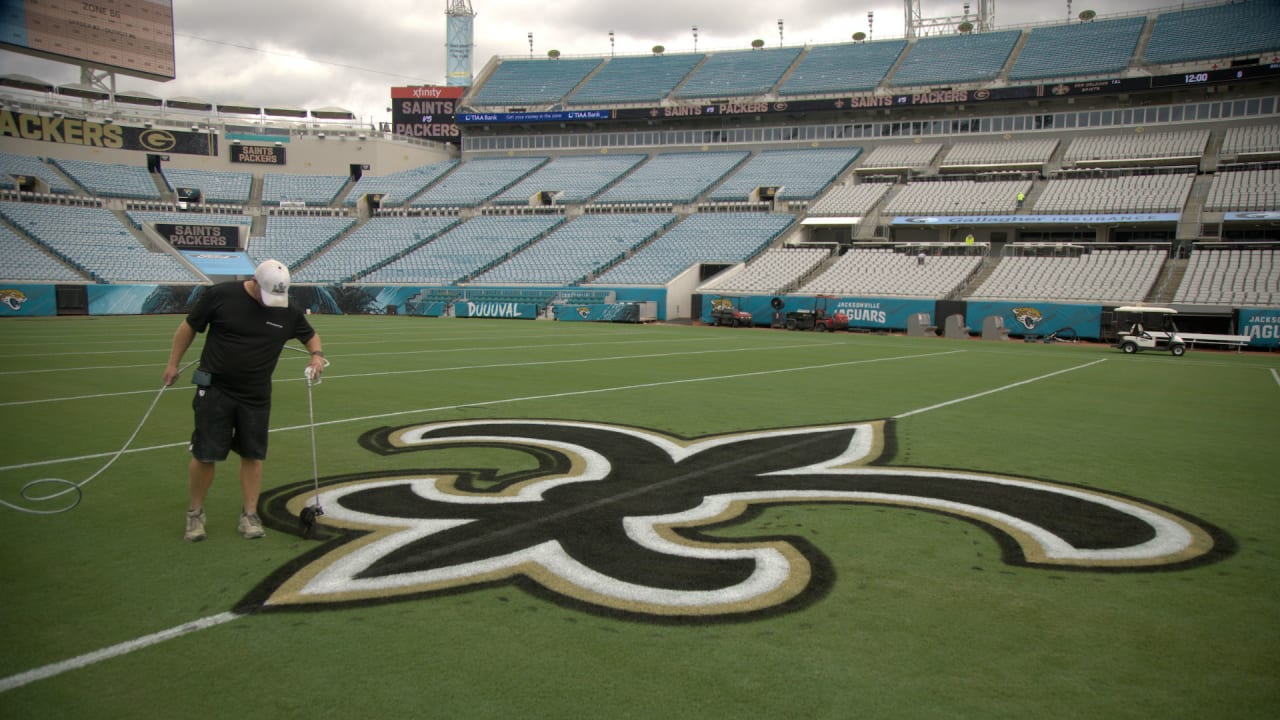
<point>195,526</point>
<point>251,526</point>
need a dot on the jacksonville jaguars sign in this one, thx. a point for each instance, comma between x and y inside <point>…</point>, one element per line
<point>616,519</point>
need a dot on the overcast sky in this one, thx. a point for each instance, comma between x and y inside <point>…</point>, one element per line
<point>318,53</point>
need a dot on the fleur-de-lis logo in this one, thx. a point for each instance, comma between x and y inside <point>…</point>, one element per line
<point>614,518</point>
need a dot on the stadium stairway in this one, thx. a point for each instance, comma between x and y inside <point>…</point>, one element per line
<point>675,91</point>
<point>871,223</point>
<point>1191,220</point>
<point>1003,75</point>
<point>1166,286</point>
<point>887,82</point>
<point>1144,39</point>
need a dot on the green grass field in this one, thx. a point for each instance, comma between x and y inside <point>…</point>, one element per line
<point>908,610</point>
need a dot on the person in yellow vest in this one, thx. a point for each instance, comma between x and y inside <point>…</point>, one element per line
<point>968,239</point>
<point>1021,196</point>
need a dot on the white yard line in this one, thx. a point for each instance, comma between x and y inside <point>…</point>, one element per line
<point>1275,375</point>
<point>48,671</point>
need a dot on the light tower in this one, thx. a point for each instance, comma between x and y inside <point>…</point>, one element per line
<point>918,26</point>
<point>460,19</point>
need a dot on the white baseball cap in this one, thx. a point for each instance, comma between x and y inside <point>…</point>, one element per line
<point>273,283</point>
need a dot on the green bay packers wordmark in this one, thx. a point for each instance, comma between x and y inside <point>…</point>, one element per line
<point>613,519</point>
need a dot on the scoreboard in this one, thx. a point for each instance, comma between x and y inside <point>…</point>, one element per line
<point>134,37</point>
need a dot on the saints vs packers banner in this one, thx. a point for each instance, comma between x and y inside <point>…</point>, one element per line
<point>88,133</point>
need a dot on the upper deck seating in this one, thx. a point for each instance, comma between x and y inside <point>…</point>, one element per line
<point>843,68</point>
<point>1127,194</point>
<point>475,181</point>
<point>1219,31</point>
<point>673,177</point>
<point>642,79</point>
<point>1244,190</point>
<point>994,153</point>
<point>13,165</point>
<point>800,174</point>
<point>1176,145</point>
<point>464,250</point>
<point>849,200</point>
<point>369,246</point>
<point>719,238</point>
<point>570,179</point>
<point>577,249</point>
<point>532,82</point>
<point>94,241</point>
<point>1244,142</point>
<point>215,186</point>
<point>110,179</point>
<point>1229,276</point>
<point>893,273</point>
<point>1092,48</point>
<point>397,188</point>
<point>913,156</point>
<point>957,197</point>
<point>293,239</point>
<point>313,190</point>
<point>742,73</point>
<point>770,272</point>
<point>956,58</point>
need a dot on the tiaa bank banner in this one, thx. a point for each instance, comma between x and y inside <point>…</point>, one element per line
<point>517,310</point>
<point>1261,324</point>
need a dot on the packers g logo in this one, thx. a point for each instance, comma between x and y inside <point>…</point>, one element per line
<point>612,519</point>
<point>158,140</point>
<point>1028,316</point>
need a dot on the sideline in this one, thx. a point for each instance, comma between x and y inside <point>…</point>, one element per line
<point>48,671</point>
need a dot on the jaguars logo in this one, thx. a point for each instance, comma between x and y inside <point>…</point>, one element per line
<point>722,304</point>
<point>640,524</point>
<point>1028,316</point>
<point>584,313</point>
<point>13,298</point>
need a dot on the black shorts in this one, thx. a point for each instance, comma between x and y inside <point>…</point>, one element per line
<point>224,424</point>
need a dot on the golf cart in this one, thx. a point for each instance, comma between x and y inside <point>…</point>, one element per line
<point>818,318</point>
<point>728,311</point>
<point>1147,328</point>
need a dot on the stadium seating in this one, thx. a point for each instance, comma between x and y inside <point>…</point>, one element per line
<point>570,179</point>
<point>1251,141</point>
<point>291,240</point>
<point>642,79</point>
<point>1181,145</point>
<point>673,178</point>
<point>1106,276</point>
<point>743,73</point>
<point>849,200</point>
<point>397,188</point>
<point>476,181</point>
<point>1034,152</point>
<point>956,58</point>
<point>93,241</point>
<point>1087,48</point>
<point>215,186</point>
<point>533,82</point>
<point>771,272</point>
<point>1229,276</point>
<point>894,272</point>
<point>1219,31</point>
<point>577,249</point>
<point>717,238</point>
<point>800,174</point>
<point>913,156</point>
<point>957,197</point>
<point>24,262</point>
<point>111,179</point>
<point>1165,193</point>
<point>1244,190</point>
<point>464,250</point>
<point>313,190</point>
<point>370,247</point>
<point>13,165</point>
<point>843,68</point>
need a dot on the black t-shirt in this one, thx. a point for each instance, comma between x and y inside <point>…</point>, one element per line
<point>245,339</point>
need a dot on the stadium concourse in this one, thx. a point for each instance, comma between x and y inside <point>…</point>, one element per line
<point>1043,175</point>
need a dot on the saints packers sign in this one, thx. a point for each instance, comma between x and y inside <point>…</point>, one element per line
<point>615,519</point>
